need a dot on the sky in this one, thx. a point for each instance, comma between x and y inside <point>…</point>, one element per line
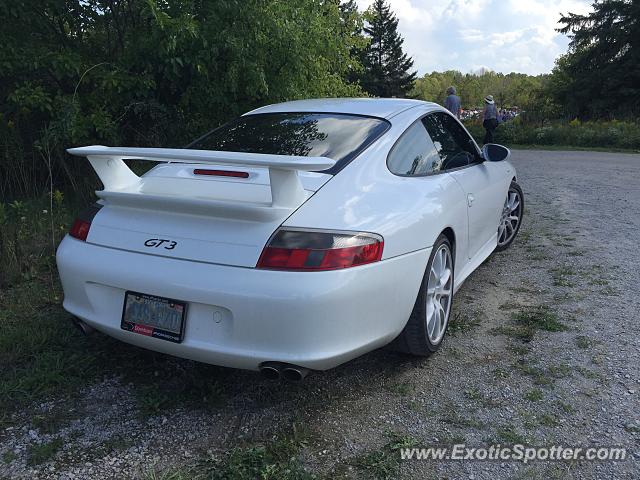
<point>467,35</point>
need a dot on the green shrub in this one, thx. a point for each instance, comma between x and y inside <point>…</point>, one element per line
<point>595,134</point>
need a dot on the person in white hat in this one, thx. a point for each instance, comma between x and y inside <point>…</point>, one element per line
<point>489,118</point>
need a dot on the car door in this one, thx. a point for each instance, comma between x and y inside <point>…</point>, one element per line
<point>478,179</point>
<point>415,157</point>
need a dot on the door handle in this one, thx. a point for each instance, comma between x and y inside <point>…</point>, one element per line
<point>470,199</point>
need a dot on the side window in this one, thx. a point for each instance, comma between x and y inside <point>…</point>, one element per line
<point>452,142</point>
<point>415,153</point>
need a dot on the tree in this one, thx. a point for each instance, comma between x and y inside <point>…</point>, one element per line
<point>153,73</point>
<point>600,75</point>
<point>386,67</point>
<point>352,23</point>
<point>513,89</point>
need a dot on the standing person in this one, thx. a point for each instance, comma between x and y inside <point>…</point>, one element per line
<point>489,118</point>
<point>452,103</point>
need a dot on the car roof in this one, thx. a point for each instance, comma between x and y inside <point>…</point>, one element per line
<point>374,107</point>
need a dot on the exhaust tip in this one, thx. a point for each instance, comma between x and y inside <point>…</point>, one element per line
<point>294,374</point>
<point>270,371</point>
<point>82,326</point>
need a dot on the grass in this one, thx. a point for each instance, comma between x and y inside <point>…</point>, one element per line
<point>401,388</point>
<point>462,322</point>
<point>42,355</point>
<point>562,148</point>
<point>584,342</point>
<point>453,416</point>
<point>277,459</point>
<point>52,421</point>
<point>8,457</point>
<point>631,428</point>
<point>44,452</point>
<point>560,276</point>
<point>604,136</point>
<point>477,396</point>
<point>534,395</point>
<point>384,463</point>
<point>509,434</point>
<point>548,420</point>
<point>539,317</point>
<point>542,376</point>
<point>565,407</point>
<point>529,320</point>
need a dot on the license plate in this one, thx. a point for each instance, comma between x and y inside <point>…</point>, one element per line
<point>152,316</point>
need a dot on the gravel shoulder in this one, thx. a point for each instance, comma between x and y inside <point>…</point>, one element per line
<point>543,349</point>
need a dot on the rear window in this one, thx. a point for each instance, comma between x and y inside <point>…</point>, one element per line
<point>340,137</point>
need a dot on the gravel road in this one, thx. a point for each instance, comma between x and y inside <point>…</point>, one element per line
<point>543,349</point>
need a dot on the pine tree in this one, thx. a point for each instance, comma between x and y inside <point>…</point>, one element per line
<point>387,68</point>
<point>352,35</point>
<point>600,76</point>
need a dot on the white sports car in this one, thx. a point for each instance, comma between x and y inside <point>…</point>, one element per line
<point>296,237</point>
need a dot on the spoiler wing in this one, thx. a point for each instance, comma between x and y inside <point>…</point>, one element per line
<point>286,188</point>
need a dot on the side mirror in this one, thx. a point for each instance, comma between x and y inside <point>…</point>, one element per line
<point>495,153</point>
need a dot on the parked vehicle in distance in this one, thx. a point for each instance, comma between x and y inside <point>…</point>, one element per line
<point>296,237</point>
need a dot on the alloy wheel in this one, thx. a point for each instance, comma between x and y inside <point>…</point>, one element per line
<point>439,293</point>
<point>510,218</point>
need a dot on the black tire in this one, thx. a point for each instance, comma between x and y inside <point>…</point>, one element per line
<point>513,188</point>
<point>414,339</point>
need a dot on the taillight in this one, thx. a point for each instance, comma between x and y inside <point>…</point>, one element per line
<point>82,224</point>
<point>80,229</point>
<point>313,250</point>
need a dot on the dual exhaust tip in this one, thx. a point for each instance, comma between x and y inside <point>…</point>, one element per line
<point>269,370</point>
<point>290,373</point>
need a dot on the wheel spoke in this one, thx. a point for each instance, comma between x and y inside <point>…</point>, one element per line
<point>432,328</point>
<point>436,268</point>
<point>500,231</point>
<point>442,317</point>
<point>431,317</point>
<point>444,279</point>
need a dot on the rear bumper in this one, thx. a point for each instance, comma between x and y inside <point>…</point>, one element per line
<point>240,317</point>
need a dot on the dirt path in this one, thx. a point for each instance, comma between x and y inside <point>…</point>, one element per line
<point>544,349</point>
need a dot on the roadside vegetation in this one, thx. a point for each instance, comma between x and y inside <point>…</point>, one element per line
<point>599,135</point>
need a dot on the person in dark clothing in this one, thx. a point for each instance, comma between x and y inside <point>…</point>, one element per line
<point>489,118</point>
<point>452,102</point>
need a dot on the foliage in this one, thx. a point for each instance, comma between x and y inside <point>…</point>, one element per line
<point>600,75</point>
<point>29,233</point>
<point>145,72</point>
<point>594,134</point>
<point>513,89</point>
<point>387,69</point>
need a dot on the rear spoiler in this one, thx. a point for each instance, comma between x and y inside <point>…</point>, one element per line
<point>286,188</point>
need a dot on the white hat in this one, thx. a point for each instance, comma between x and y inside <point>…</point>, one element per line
<point>489,99</point>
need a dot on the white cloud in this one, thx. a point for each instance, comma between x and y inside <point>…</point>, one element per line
<point>503,35</point>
